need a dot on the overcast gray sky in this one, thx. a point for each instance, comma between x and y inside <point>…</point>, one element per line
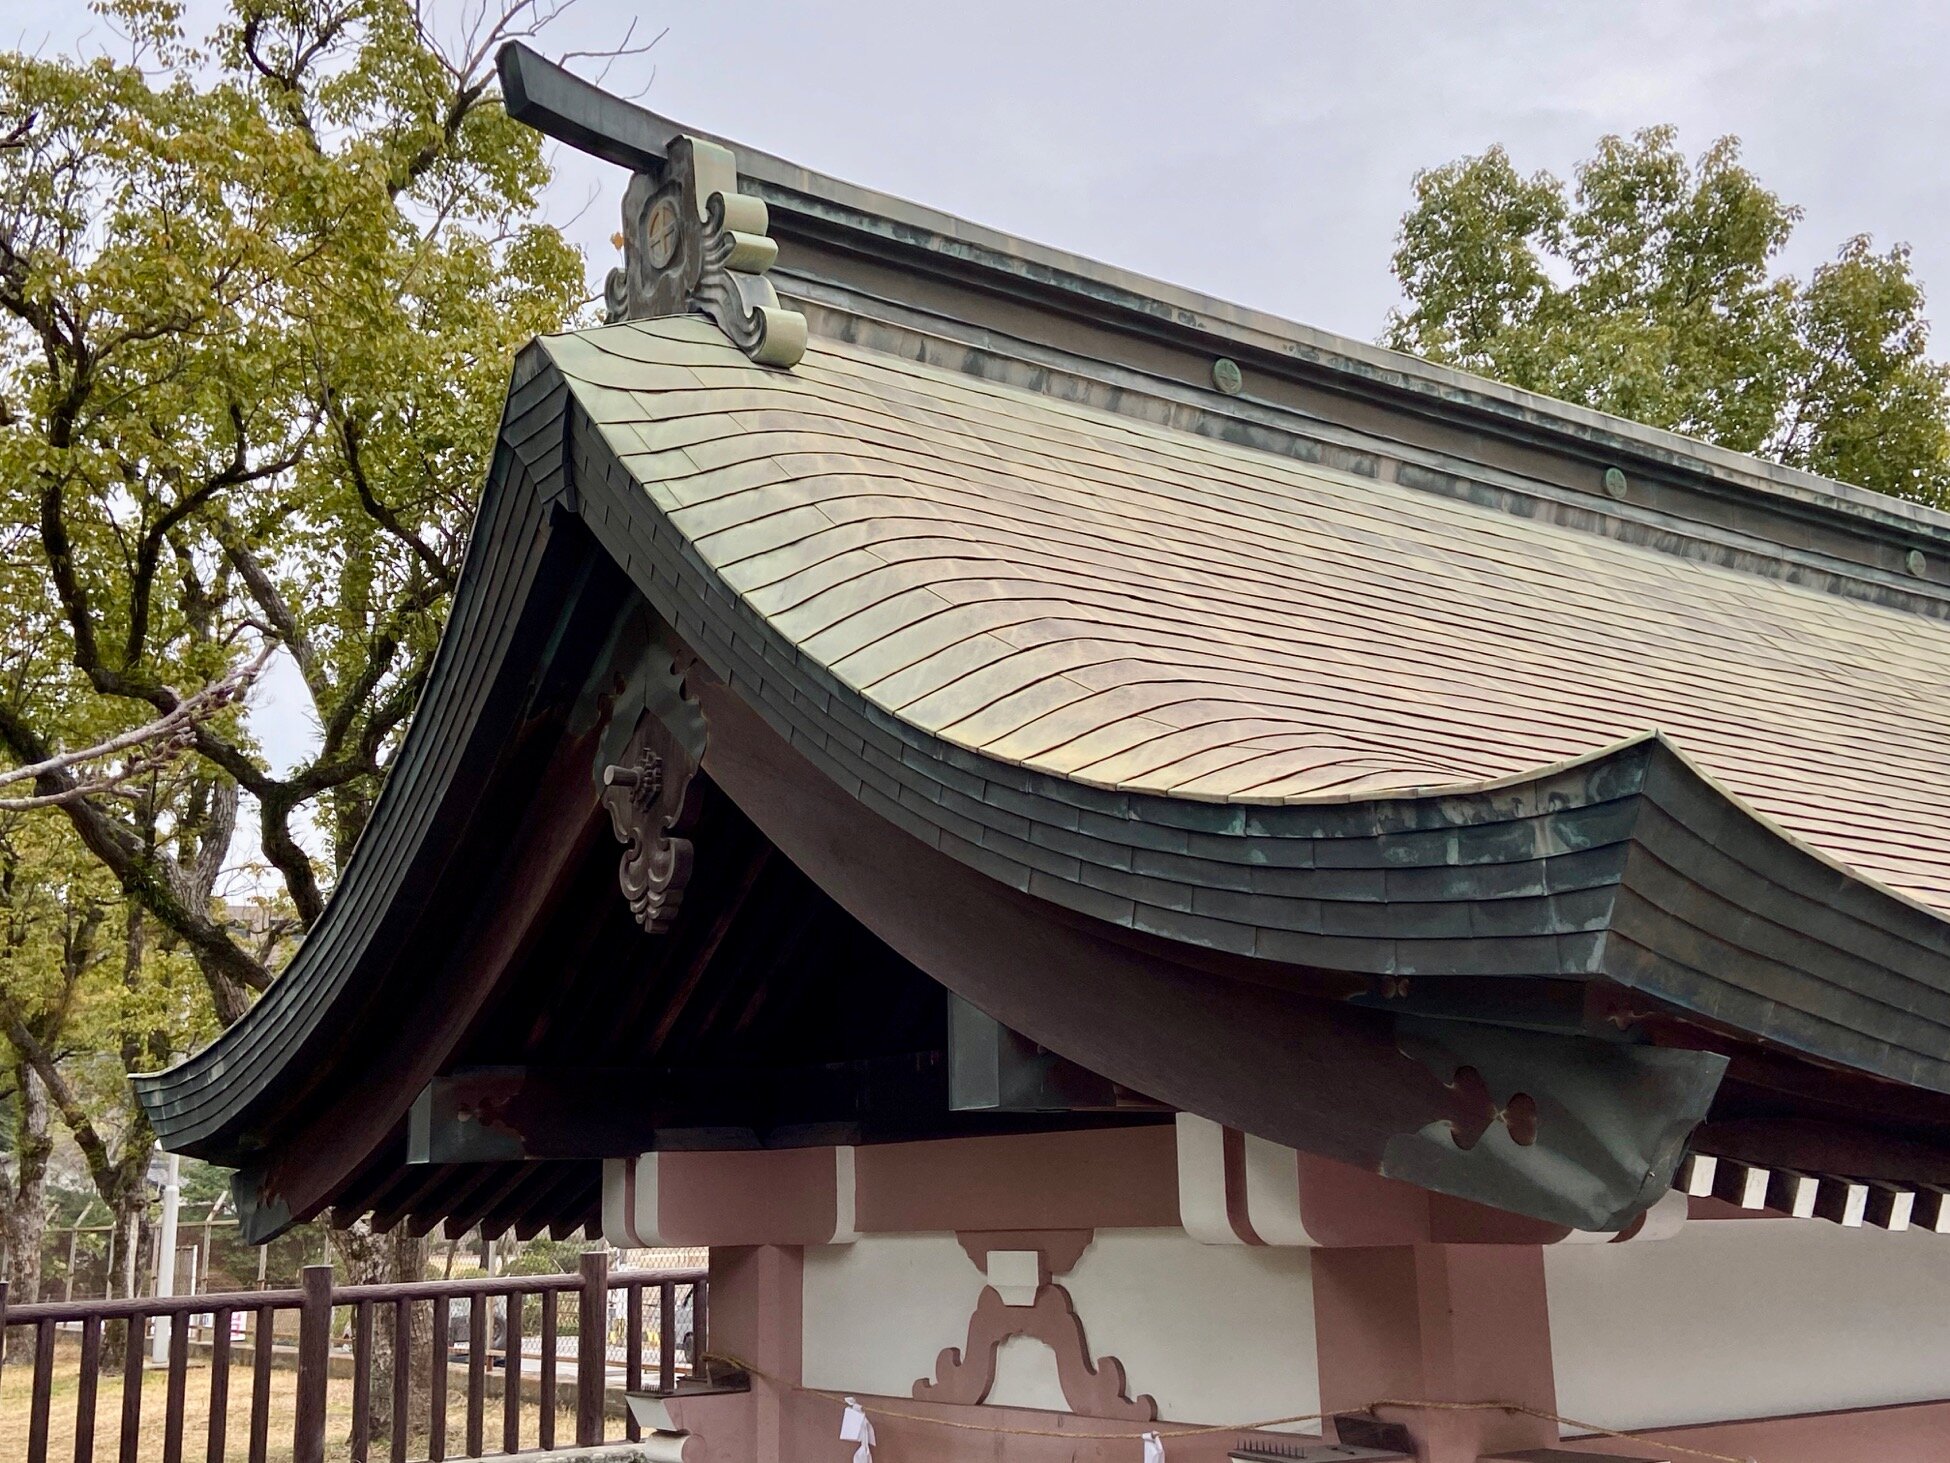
<point>1262,152</point>
<point>1256,150</point>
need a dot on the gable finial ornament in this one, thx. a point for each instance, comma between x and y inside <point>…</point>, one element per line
<point>692,243</point>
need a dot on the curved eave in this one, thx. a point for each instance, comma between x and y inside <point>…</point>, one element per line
<point>516,576</point>
<point>1628,865</point>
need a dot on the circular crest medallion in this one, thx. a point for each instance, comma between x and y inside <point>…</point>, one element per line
<point>660,231</point>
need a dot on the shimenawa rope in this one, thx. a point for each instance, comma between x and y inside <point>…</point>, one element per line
<point>1205,1429</point>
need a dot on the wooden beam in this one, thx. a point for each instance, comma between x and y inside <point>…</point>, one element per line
<point>564,106</point>
<point>504,1114</point>
<point>481,1115</point>
<point>994,1069</point>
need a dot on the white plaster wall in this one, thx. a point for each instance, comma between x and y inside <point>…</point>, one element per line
<point>879,1310</point>
<point>1748,1318</point>
<point>1215,1333</point>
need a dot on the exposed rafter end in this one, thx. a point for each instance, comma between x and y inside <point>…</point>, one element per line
<point>1851,1203</point>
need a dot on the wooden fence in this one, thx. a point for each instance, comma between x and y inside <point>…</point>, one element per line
<point>665,1308</point>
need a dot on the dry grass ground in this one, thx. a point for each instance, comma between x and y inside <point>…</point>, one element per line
<point>16,1390</point>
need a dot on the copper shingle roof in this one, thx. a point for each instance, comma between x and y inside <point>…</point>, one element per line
<point>1115,602</point>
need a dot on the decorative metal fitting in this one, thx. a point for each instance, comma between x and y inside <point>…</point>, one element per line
<point>1614,482</point>
<point>1227,376</point>
<point>645,780</point>
<point>1916,563</point>
<point>652,796</point>
<point>694,245</point>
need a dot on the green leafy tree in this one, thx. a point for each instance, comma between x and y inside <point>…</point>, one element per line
<point>85,999</point>
<point>1649,289</point>
<point>256,312</point>
<point>258,300</point>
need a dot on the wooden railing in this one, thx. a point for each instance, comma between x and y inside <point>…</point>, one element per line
<point>605,1363</point>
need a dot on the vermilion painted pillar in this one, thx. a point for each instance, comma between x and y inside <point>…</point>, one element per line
<point>1439,1323</point>
<point>756,1314</point>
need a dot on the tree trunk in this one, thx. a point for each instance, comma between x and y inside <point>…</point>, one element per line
<point>24,1223</point>
<point>128,1207</point>
<point>367,1258</point>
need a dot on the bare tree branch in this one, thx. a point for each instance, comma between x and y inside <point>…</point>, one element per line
<point>162,739</point>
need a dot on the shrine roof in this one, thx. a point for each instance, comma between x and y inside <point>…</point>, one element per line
<point>1129,600</point>
<point>963,575</point>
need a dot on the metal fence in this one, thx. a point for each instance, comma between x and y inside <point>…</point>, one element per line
<point>502,1358</point>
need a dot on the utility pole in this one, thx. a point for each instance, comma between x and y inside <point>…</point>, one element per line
<point>172,1195</point>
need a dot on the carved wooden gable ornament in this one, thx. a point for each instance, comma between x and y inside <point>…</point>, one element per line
<point>693,244</point>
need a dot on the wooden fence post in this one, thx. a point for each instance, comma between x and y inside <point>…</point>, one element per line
<point>592,1347</point>
<point>314,1365</point>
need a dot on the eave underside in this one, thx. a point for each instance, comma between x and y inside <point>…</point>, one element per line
<point>803,1026</point>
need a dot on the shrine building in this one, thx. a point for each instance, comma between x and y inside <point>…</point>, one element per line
<point>1134,867</point>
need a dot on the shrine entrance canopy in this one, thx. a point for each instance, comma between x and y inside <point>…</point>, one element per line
<point>1029,696</point>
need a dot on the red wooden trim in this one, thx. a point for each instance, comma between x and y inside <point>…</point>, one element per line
<point>1058,1249</point>
<point>1118,1178</point>
<point>1445,1323</point>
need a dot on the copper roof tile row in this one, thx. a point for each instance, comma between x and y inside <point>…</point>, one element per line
<point>1132,607</point>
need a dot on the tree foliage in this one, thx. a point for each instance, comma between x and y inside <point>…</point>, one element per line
<point>258,300</point>
<point>257,305</point>
<point>1649,289</point>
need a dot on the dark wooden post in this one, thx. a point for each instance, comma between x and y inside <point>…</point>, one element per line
<point>43,1397</point>
<point>402,1376</point>
<point>84,1397</point>
<point>219,1384</point>
<point>668,1336</point>
<point>592,1347</point>
<point>700,1314</point>
<point>314,1365</point>
<point>437,1382</point>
